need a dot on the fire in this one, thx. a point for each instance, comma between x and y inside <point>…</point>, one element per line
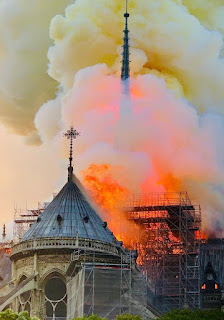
<point>103,188</point>
<point>6,250</point>
<point>108,194</point>
<point>170,183</point>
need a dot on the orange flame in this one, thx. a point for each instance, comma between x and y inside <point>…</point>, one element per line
<point>107,193</point>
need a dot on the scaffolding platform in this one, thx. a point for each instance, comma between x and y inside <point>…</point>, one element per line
<point>23,219</point>
<point>169,235</point>
<point>107,288</point>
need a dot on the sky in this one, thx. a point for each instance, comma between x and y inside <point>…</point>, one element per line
<point>24,179</point>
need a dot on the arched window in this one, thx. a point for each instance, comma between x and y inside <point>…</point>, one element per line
<point>56,299</point>
<point>24,298</point>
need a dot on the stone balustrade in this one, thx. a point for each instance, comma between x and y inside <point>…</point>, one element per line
<point>70,243</point>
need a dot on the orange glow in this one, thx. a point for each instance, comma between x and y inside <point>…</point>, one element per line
<point>107,193</point>
<point>204,235</point>
<point>136,92</point>
<point>216,286</point>
<point>170,183</point>
<point>6,250</point>
<point>203,287</point>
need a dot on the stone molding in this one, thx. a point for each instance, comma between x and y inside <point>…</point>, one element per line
<point>24,262</point>
<point>63,243</point>
<point>53,259</point>
<point>47,275</point>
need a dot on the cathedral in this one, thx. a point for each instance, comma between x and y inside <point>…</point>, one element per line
<point>69,264</point>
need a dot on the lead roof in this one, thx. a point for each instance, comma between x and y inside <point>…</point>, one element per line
<point>70,214</point>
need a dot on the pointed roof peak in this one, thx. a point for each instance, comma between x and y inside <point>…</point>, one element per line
<point>71,134</point>
<point>126,13</point>
<point>69,215</point>
<point>125,70</point>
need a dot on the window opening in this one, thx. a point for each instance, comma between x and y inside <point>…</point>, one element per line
<point>56,299</point>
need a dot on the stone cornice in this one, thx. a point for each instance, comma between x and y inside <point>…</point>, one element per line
<point>29,246</point>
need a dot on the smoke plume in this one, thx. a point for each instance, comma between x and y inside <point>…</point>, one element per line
<point>24,41</point>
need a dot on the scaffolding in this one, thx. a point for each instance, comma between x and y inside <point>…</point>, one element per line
<point>23,219</point>
<point>169,233</point>
<point>108,288</point>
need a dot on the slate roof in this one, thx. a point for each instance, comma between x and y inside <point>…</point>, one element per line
<point>68,214</point>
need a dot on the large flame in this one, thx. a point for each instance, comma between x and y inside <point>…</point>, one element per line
<point>109,195</point>
<point>105,191</point>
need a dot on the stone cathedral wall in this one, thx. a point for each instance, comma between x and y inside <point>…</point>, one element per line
<point>45,266</point>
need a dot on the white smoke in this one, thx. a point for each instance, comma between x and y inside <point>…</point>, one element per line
<point>24,41</point>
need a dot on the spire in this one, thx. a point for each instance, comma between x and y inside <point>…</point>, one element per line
<point>4,232</point>
<point>71,134</point>
<point>125,71</point>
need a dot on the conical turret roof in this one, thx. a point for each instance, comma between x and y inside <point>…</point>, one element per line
<point>69,215</point>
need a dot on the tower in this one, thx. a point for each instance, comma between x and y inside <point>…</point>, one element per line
<point>125,102</point>
<point>210,289</point>
<point>4,232</point>
<point>69,263</point>
<point>125,70</point>
<point>41,261</point>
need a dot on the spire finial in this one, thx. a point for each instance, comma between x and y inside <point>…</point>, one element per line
<point>71,134</point>
<point>4,232</point>
<point>125,55</point>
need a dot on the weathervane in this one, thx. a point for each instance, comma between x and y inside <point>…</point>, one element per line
<point>71,134</point>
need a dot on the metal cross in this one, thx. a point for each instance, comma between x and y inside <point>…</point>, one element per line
<point>71,134</point>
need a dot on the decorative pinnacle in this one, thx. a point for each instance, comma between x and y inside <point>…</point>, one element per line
<point>125,71</point>
<point>71,134</point>
<point>4,232</point>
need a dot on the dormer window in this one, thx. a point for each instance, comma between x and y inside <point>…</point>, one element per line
<point>59,219</point>
<point>86,219</point>
<point>104,224</point>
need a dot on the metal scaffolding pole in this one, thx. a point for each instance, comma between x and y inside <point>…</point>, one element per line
<point>168,246</point>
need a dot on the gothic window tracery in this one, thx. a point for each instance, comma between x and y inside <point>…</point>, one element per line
<point>56,299</point>
<point>24,298</point>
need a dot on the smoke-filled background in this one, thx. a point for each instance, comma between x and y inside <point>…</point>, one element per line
<point>60,65</point>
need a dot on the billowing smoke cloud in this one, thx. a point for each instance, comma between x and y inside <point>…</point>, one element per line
<point>172,139</point>
<point>164,37</point>
<point>165,145</point>
<point>24,41</point>
<point>209,13</point>
<point>171,142</point>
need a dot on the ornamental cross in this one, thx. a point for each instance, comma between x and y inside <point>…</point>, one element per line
<point>71,134</point>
